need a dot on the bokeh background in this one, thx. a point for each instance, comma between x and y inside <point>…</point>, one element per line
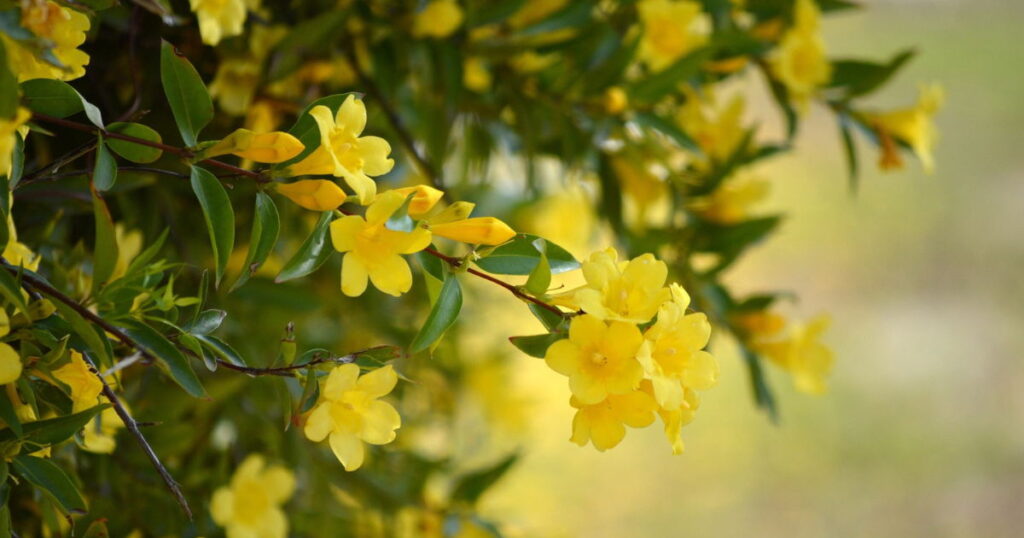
<point>922,432</point>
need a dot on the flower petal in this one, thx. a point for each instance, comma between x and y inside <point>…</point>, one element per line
<point>378,382</point>
<point>380,420</point>
<point>384,206</point>
<point>587,331</point>
<point>621,341</point>
<point>222,506</point>
<point>348,449</point>
<point>374,151</point>
<point>701,371</point>
<point>391,275</point>
<point>344,232</point>
<point>318,424</point>
<point>279,484</point>
<point>353,275</point>
<point>351,116</point>
<point>587,389</point>
<point>341,379</point>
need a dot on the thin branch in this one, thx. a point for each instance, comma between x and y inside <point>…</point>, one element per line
<point>39,285</point>
<point>288,371</point>
<point>58,163</point>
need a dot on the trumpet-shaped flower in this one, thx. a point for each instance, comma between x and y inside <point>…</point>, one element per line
<point>343,153</point>
<point>272,147</point>
<point>350,413</point>
<point>439,19</point>
<point>85,385</point>
<point>672,355</point>
<point>477,231</point>
<point>373,251</point>
<point>604,423</point>
<point>731,202</point>
<point>99,435</point>
<point>8,138</point>
<point>17,253</point>
<point>65,28</point>
<point>717,129</point>
<point>803,355</point>
<point>626,291</point>
<point>912,126</point>
<point>314,194</point>
<point>672,28</point>
<point>801,64</point>
<point>599,358</point>
<point>676,417</point>
<point>219,18</point>
<point>424,198</point>
<point>250,506</point>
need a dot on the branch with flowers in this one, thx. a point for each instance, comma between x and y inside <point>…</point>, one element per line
<point>571,121</point>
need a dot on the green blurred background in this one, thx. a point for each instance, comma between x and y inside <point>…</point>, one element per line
<point>922,433</point>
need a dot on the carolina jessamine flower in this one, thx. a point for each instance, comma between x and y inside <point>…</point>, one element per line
<point>439,19</point>
<point>129,244</point>
<point>625,291</point>
<point>671,29</point>
<point>604,423</point>
<point>219,18</point>
<point>615,100</point>
<point>99,435</point>
<point>672,354</point>
<point>374,252</point>
<point>800,62</point>
<point>599,358</point>
<point>17,253</point>
<point>250,506</point>
<point>8,132</point>
<point>424,199</point>
<point>676,417</point>
<point>10,361</point>
<point>313,194</point>
<point>350,413</point>
<point>475,75</point>
<point>731,202</point>
<point>643,189</point>
<point>343,153</point>
<point>65,28</point>
<point>272,147</point>
<point>235,84</point>
<point>454,222</point>
<point>913,126</point>
<point>718,130</point>
<point>797,350</point>
<point>84,384</point>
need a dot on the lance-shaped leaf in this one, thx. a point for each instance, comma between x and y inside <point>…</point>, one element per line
<point>53,430</point>
<point>442,315</point>
<point>176,363</point>
<point>104,256</point>
<point>536,345</point>
<point>59,99</point>
<point>104,172</point>
<point>470,487</point>
<point>520,257</point>
<point>658,85</point>
<point>97,345</point>
<point>186,94</point>
<point>8,87</point>
<point>10,416</point>
<point>540,278</point>
<point>45,475</point>
<point>220,217</point>
<point>136,153</point>
<point>313,252</point>
<point>266,225</point>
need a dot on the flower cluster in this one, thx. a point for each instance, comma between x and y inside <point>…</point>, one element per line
<point>633,353</point>
<point>801,64</point>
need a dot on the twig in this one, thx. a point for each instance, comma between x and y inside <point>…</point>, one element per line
<point>287,371</point>
<point>39,285</point>
<point>58,163</point>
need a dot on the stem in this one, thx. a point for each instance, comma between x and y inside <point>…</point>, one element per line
<point>287,371</point>
<point>38,285</point>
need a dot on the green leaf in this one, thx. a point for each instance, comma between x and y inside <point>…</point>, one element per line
<point>540,277</point>
<point>59,99</point>
<point>104,172</point>
<point>669,129</point>
<point>758,385</point>
<point>520,257</point>
<point>536,345</point>
<point>46,476</point>
<point>11,290</point>
<point>313,252</point>
<point>17,160</point>
<point>857,77</point>
<point>221,348</point>
<point>220,217</point>
<point>732,238</point>
<point>442,315</point>
<point>53,430</point>
<point>307,39</point>
<point>266,225</point>
<point>549,319</point>
<point>104,259</point>
<point>471,486</point>
<point>190,101</point>
<point>207,322</point>
<point>8,87</point>
<point>136,153</point>
<point>660,84</point>
<point>849,149</point>
<point>8,415</point>
<point>171,359</point>
<point>96,343</point>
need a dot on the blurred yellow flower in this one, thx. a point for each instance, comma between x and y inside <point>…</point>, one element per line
<point>475,75</point>
<point>535,11</point>
<point>18,254</point>
<point>219,18</point>
<point>85,385</point>
<point>625,291</point>
<point>641,187</point>
<point>800,352</point>
<point>313,194</point>
<point>373,251</point>
<point>349,412</point>
<point>250,506</point>
<point>343,152</point>
<point>604,423</point>
<point>8,138</point>
<point>800,62</point>
<point>717,130</point>
<point>671,29</point>
<point>129,244</point>
<point>439,19</point>
<point>615,100</point>
<point>235,84</point>
<point>732,201</point>
<point>272,147</point>
<point>913,126</point>
<point>99,435</point>
<point>599,358</point>
<point>64,28</point>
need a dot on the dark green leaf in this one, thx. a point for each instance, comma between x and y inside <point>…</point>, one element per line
<point>540,278</point>
<point>660,84</point>
<point>59,99</point>
<point>857,77</point>
<point>758,385</point>
<point>53,430</point>
<point>221,349</point>
<point>849,149</point>
<point>8,87</point>
<point>8,415</point>
<point>46,476</point>
<point>470,487</point>
<point>97,344</point>
<point>266,225</point>
<point>11,290</point>
<point>190,101</point>
<point>176,364</point>
<point>313,252</point>
<point>104,173</point>
<point>219,215</point>
<point>207,322</point>
<point>520,257</point>
<point>136,153</point>
<point>536,345</point>
<point>442,315</point>
<point>549,319</point>
<point>104,259</point>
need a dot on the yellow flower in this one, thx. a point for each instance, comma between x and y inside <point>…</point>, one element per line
<point>603,423</point>
<point>85,385</point>
<point>373,251</point>
<point>475,75</point>
<point>129,244</point>
<point>219,18</point>
<point>235,84</point>
<point>615,100</point>
<point>272,147</point>
<point>313,194</point>
<point>10,362</point>
<point>8,138</point>
<point>801,353</point>
<point>800,63</point>
<point>731,201</point>
<point>565,217</point>
<point>672,354</point>
<point>439,19</point>
<point>343,152</point>
<point>717,130</point>
<point>675,418</point>
<point>18,253</point>
<point>625,291</point>
<point>535,11</point>
<point>912,126</point>
<point>599,359</point>
<point>423,200</point>
<point>61,26</point>
<point>250,506</point>
<point>99,435</point>
<point>642,187</point>
<point>672,28</point>
<point>477,231</point>
<point>349,412</point>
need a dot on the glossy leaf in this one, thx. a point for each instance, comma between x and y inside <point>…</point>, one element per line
<point>442,315</point>
<point>105,252</point>
<point>313,252</point>
<point>136,153</point>
<point>59,99</point>
<point>104,173</point>
<point>536,345</point>
<point>186,94</point>
<point>520,257</point>
<point>219,215</point>
<point>176,364</point>
<point>266,225</point>
<point>540,278</point>
<point>45,475</point>
<point>53,430</point>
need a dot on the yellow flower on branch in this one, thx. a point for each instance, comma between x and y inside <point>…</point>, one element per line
<point>913,126</point>
<point>373,251</point>
<point>675,418</point>
<point>313,194</point>
<point>453,222</point>
<point>235,84</point>
<point>424,198</point>
<point>219,18</point>
<point>250,506</point>
<point>343,153</point>
<point>16,253</point>
<point>599,358</point>
<point>85,385</point>
<point>99,435</point>
<point>731,202</point>
<point>65,28</point>
<point>439,19</point>
<point>10,361</point>
<point>272,147</point>
<point>8,138</point>
<point>800,63</point>
<point>671,29</point>
<point>349,413</point>
<point>604,423</point>
<point>625,291</point>
<point>797,350</point>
